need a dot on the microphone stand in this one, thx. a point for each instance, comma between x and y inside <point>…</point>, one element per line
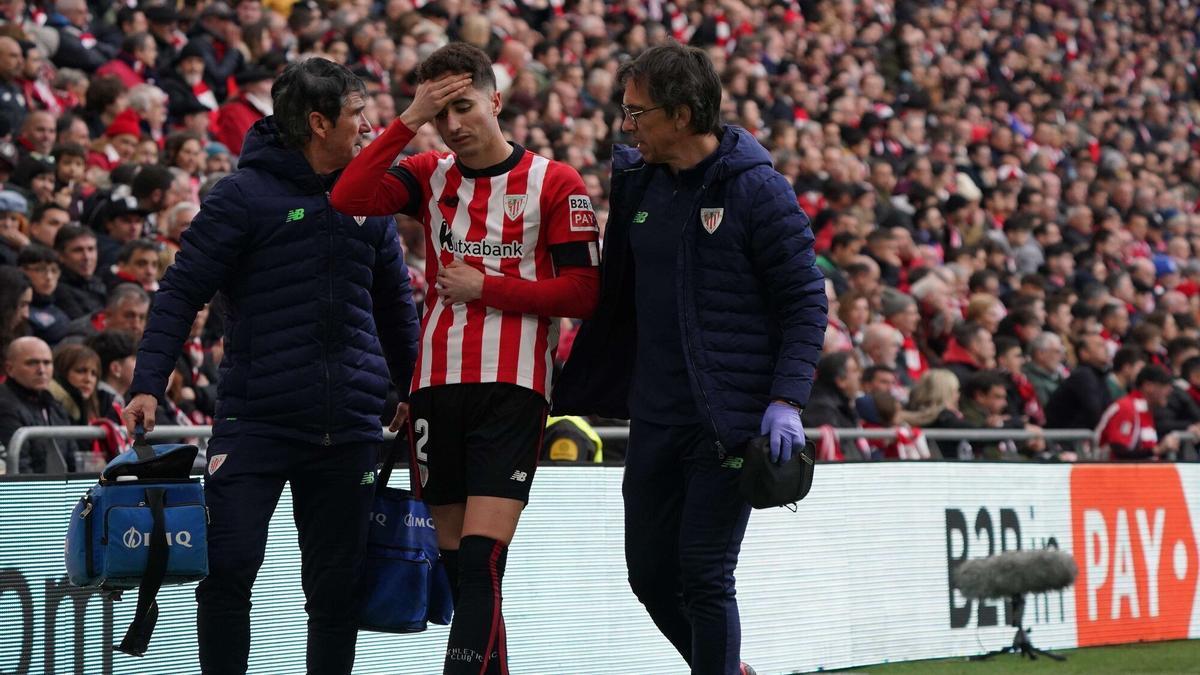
<point>1020,644</point>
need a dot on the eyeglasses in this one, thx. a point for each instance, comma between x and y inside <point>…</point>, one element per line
<point>43,269</point>
<point>633,115</point>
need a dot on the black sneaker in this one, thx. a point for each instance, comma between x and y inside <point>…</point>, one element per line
<point>747,670</point>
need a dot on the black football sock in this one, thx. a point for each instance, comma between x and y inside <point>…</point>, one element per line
<point>477,633</point>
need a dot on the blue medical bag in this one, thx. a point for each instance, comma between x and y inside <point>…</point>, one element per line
<point>142,526</point>
<point>404,585</point>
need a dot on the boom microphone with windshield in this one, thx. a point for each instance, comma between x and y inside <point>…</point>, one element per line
<point>1016,573</point>
<point>1011,575</point>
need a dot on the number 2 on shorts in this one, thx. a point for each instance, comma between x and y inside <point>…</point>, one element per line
<point>421,430</point>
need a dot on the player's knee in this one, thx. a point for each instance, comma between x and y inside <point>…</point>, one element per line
<point>479,557</point>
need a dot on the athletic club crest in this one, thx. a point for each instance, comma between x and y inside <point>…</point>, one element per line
<point>514,205</point>
<point>215,463</point>
<point>711,219</point>
<point>360,220</point>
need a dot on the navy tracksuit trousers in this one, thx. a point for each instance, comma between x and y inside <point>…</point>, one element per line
<point>331,497</point>
<point>684,523</point>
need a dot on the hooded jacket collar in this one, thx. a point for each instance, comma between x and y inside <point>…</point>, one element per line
<point>264,150</point>
<point>738,152</point>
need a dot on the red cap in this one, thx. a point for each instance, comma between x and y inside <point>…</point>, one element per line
<point>127,122</point>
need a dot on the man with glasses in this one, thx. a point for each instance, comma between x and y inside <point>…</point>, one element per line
<point>711,319</point>
<point>317,314</point>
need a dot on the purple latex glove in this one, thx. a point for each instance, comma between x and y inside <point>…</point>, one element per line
<point>782,423</point>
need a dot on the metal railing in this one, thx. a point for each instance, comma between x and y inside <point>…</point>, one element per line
<point>22,436</point>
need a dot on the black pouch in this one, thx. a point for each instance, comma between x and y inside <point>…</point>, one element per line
<point>765,484</point>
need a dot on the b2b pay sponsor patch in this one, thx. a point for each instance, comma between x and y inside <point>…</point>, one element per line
<point>582,217</point>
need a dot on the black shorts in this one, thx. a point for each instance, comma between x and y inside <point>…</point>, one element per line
<point>474,440</point>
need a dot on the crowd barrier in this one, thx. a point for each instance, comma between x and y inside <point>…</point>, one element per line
<point>861,574</point>
<point>22,436</point>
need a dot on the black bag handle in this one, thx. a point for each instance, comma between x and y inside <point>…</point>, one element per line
<point>141,446</point>
<point>390,454</point>
<point>137,638</point>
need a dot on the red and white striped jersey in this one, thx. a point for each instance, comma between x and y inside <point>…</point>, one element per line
<point>502,221</point>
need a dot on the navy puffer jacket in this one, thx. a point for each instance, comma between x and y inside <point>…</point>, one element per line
<point>751,297</point>
<point>310,295</point>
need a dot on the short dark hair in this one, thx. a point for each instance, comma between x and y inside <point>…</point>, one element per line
<point>843,240</point>
<point>130,247</point>
<point>68,150</point>
<point>69,233</point>
<point>1127,356</point>
<point>1190,367</point>
<point>34,254</point>
<point>150,177</point>
<point>832,366</point>
<point>1005,343</point>
<point>112,346</point>
<point>870,372</point>
<point>966,332</point>
<point>1153,374</point>
<point>40,210</point>
<point>134,42</point>
<point>1082,310</point>
<point>1180,345</point>
<point>982,382</point>
<point>459,58</point>
<point>676,75</point>
<point>312,85</point>
<point>979,280</point>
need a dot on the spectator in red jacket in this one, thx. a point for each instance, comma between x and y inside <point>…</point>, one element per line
<point>252,103</point>
<point>1127,430</point>
<point>134,64</point>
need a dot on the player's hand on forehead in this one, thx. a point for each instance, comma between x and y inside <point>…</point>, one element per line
<point>432,96</point>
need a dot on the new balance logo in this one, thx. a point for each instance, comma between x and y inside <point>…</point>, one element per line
<point>519,476</point>
<point>478,249</point>
<point>732,463</point>
<point>368,478</point>
<point>640,217</point>
<point>294,215</point>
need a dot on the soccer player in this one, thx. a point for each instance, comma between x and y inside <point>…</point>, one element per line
<point>510,241</point>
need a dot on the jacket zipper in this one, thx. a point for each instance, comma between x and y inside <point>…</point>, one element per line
<point>687,331</point>
<point>328,441</point>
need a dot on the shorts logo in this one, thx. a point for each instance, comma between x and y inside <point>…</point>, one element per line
<point>294,215</point>
<point>581,216</point>
<point>215,463</point>
<point>732,463</point>
<point>711,219</point>
<point>519,476</point>
<point>514,205</point>
<point>368,478</point>
<point>640,217</point>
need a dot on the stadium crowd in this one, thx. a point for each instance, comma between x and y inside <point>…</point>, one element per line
<point>1005,195</point>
